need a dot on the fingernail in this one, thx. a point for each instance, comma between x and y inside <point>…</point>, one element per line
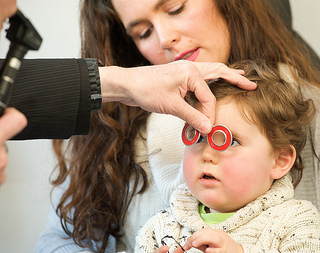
<point>205,127</point>
<point>253,84</point>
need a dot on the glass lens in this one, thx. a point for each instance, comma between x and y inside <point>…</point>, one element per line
<point>190,133</point>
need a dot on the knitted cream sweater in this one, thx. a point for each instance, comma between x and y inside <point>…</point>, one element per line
<point>274,222</point>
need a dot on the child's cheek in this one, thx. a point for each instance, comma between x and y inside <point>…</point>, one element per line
<point>189,163</point>
<point>189,154</point>
<point>235,174</point>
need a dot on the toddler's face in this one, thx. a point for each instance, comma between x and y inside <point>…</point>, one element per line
<point>226,181</point>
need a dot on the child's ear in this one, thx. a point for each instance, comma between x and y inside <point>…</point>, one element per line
<point>284,161</point>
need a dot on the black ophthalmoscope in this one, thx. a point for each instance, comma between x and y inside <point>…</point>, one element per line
<point>23,37</point>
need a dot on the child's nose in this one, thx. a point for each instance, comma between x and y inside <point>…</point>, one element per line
<point>210,155</point>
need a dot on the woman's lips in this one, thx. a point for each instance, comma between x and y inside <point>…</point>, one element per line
<point>189,55</point>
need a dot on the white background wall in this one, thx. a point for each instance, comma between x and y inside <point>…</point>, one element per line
<point>24,198</point>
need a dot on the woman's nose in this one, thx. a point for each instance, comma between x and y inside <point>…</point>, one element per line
<point>210,155</point>
<point>168,37</point>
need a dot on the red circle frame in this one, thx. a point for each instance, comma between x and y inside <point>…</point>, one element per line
<point>184,138</point>
<point>228,134</point>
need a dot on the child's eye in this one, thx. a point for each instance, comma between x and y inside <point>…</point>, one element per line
<point>234,142</point>
<point>201,139</point>
<point>190,133</point>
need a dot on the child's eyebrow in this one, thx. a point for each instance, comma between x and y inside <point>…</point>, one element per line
<point>235,134</point>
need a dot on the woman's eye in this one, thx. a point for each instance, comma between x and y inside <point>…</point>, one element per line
<point>234,142</point>
<point>145,35</point>
<point>177,11</point>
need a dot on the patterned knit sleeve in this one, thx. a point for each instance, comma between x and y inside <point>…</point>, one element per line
<point>298,230</point>
<point>149,236</point>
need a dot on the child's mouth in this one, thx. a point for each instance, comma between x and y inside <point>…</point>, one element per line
<point>209,177</point>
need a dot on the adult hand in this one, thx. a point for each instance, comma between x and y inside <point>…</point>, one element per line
<point>11,123</point>
<point>212,240</point>
<point>162,88</point>
<point>7,9</point>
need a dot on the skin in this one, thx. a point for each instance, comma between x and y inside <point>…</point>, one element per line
<point>8,8</point>
<point>241,173</point>
<point>167,31</point>
<point>163,30</point>
<point>171,82</point>
<point>11,123</point>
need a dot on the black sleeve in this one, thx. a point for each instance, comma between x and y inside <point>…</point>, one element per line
<point>55,96</point>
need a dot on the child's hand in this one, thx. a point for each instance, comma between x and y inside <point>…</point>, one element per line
<point>212,240</point>
<point>163,249</point>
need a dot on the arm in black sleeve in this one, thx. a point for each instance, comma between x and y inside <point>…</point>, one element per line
<point>55,96</point>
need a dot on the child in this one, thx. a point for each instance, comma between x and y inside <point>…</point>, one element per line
<point>241,199</point>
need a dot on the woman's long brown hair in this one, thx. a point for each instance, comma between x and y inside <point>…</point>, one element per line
<point>101,165</point>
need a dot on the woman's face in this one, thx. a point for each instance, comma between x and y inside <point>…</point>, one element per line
<point>170,30</point>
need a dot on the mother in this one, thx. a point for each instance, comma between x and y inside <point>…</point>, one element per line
<point>127,167</point>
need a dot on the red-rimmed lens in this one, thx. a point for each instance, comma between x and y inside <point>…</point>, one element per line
<point>190,135</point>
<point>219,138</point>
